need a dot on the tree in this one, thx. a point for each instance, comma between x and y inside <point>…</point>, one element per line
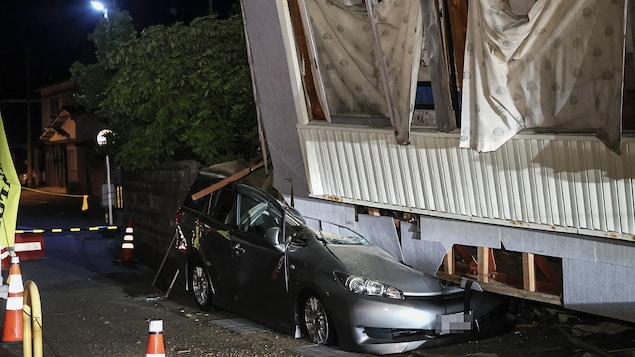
<point>176,92</point>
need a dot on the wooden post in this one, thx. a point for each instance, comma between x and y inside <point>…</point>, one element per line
<point>529,272</point>
<point>483,264</point>
<point>448,262</point>
<point>372,211</point>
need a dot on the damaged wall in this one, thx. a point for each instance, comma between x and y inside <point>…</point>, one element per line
<point>598,275</point>
<point>277,91</point>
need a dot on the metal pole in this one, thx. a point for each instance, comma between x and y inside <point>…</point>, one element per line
<point>165,257</point>
<point>176,275</point>
<point>109,190</point>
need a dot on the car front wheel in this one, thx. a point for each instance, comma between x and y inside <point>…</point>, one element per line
<point>317,323</point>
<point>202,286</point>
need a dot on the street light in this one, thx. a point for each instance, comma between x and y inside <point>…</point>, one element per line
<point>99,6</point>
<point>102,141</point>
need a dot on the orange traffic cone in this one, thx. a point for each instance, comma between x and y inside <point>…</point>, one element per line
<point>156,346</point>
<point>12,331</point>
<point>127,246</point>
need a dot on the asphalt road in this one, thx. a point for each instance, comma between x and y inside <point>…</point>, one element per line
<point>93,306</point>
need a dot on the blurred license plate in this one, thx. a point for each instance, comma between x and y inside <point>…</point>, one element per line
<point>453,323</point>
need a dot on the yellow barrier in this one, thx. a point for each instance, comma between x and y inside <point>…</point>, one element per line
<point>32,321</point>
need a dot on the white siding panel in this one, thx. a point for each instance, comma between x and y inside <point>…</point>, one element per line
<point>440,181</point>
<point>361,166</point>
<point>595,188</point>
<point>626,192</point>
<point>494,185</point>
<point>505,186</point>
<point>558,183</point>
<point>526,180</point>
<point>584,209</point>
<point>469,176</point>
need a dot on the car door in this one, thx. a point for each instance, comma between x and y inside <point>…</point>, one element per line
<point>258,263</point>
<point>214,241</point>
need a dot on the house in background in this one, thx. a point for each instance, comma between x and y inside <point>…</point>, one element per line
<point>68,136</point>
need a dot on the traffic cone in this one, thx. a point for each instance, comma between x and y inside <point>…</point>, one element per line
<point>127,246</point>
<point>156,346</point>
<point>12,328</point>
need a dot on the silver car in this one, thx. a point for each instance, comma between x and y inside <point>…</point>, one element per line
<point>249,253</point>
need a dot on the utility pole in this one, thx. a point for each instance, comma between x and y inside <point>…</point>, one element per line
<point>29,149</point>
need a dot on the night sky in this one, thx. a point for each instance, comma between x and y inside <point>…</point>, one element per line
<point>40,39</point>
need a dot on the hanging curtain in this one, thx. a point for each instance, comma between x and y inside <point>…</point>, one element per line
<point>558,67</point>
<point>349,63</point>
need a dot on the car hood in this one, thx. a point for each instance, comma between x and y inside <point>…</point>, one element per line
<point>372,262</point>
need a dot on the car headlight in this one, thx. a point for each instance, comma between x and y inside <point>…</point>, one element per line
<point>370,287</point>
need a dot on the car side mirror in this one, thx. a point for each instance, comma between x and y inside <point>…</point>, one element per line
<point>273,236</point>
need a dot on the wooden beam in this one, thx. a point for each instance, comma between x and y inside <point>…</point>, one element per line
<point>224,182</point>
<point>483,258</point>
<point>372,211</point>
<point>309,82</point>
<point>467,257</point>
<point>551,275</point>
<point>529,272</point>
<point>457,10</point>
<point>499,288</point>
<point>448,262</point>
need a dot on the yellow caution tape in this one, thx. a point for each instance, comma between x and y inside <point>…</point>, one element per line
<point>71,229</point>
<point>83,197</point>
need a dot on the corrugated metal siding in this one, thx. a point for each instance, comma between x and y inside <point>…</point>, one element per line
<point>562,183</point>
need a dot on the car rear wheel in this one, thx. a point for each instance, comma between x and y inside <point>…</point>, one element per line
<point>317,322</point>
<point>201,286</point>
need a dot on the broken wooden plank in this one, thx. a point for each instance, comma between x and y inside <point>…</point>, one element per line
<point>224,182</point>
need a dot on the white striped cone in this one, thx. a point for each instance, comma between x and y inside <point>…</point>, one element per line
<point>127,246</point>
<point>12,328</point>
<point>156,346</point>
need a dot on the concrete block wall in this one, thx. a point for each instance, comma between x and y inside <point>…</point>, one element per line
<point>150,201</point>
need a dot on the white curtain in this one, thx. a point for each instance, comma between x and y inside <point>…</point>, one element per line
<point>349,64</point>
<point>558,67</point>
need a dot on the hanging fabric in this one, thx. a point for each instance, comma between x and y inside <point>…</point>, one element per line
<point>559,67</point>
<point>349,60</point>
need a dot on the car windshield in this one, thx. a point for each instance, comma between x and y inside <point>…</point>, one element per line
<point>349,239</point>
<point>333,233</point>
<point>330,233</point>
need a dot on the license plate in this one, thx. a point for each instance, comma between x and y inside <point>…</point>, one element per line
<point>453,323</point>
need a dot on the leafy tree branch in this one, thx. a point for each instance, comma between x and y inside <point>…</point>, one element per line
<point>172,92</point>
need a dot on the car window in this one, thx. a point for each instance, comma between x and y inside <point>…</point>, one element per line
<point>224,201</point>
<point>200,205</point>
<point>257,216</point>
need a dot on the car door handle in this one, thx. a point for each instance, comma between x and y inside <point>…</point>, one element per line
<point>238,250</point>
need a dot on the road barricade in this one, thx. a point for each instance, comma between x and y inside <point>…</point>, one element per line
<point>28,246</point>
